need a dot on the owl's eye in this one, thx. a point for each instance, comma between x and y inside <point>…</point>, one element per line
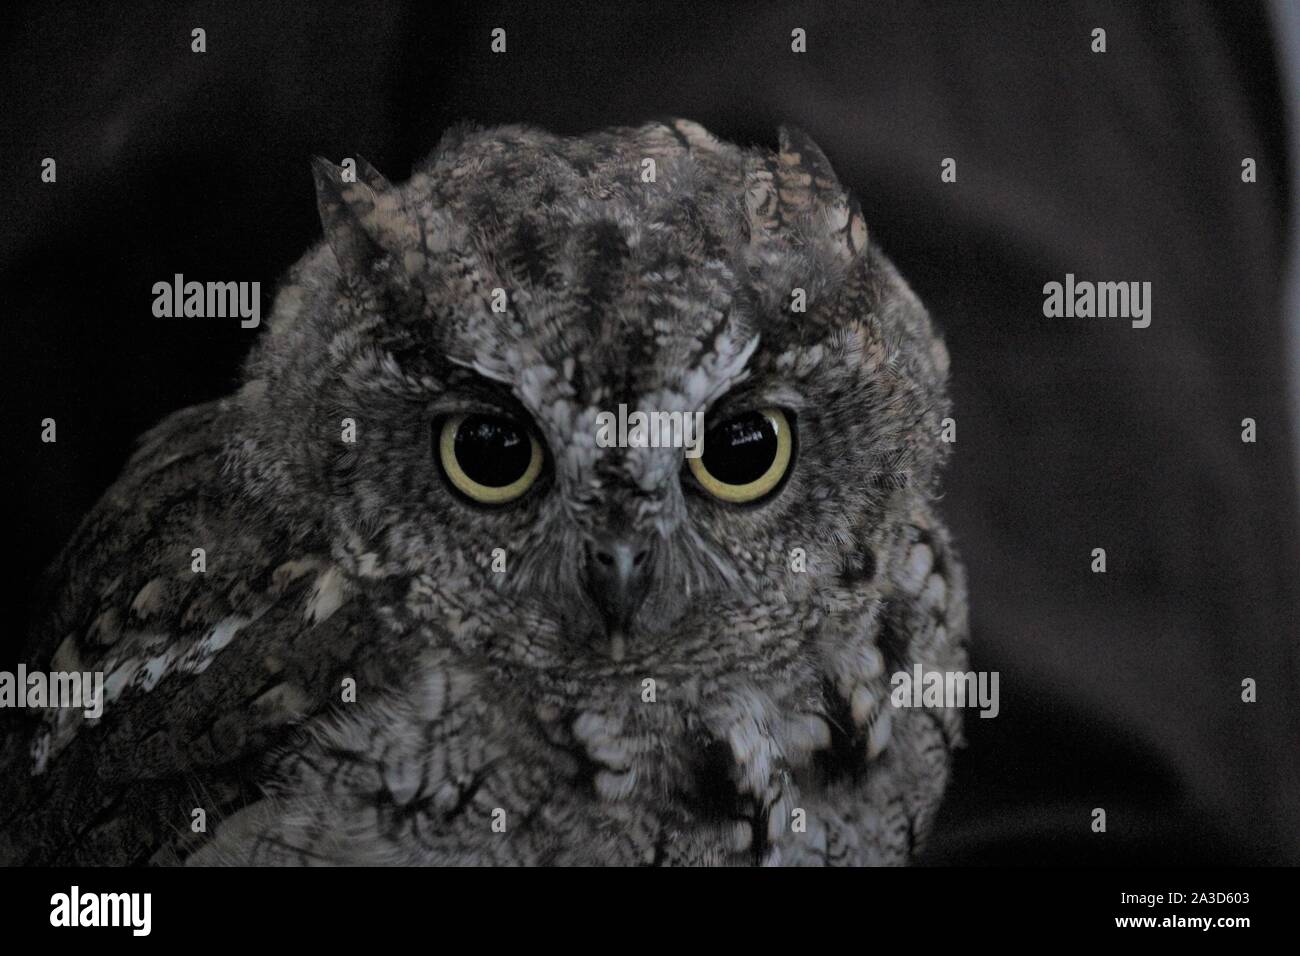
<point>745,457</point>
<point>488,458</point>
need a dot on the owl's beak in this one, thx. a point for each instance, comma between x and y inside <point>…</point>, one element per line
<point>617,577</point>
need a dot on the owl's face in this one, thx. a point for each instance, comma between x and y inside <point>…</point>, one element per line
<point>476,322</point>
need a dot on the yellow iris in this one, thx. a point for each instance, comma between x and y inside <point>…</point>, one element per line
<point>488,494</point>
<point>763,483</point>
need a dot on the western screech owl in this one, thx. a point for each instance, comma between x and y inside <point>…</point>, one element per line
<point>440,623</point>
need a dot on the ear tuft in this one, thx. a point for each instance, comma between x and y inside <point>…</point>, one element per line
<point>371,176</point>
<point>801,156</point>
<point>803,186</point>
<point>365,220</point>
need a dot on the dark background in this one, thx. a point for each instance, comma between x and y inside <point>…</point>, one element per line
<point>1120,690</point>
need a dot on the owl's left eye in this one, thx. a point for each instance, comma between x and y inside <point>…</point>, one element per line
<point>745,457</point>
<point>489,458</point>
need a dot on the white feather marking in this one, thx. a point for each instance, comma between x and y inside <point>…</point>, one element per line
<point>327,596</point>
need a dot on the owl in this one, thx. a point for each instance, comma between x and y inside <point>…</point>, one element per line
<point>396,600</point>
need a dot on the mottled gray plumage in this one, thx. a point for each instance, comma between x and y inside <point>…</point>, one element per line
<point>477,690</point>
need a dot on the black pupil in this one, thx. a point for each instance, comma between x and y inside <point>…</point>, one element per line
<point>492,451</point>
<point>741,450</point>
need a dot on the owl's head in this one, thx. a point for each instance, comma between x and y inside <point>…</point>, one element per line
<point>491,326</point>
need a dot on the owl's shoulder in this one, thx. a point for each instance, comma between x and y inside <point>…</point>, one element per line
<point>187,603</point>
<point>136,531</point>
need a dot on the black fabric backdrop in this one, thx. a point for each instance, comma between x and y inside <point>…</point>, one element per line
<point>1120,690</point>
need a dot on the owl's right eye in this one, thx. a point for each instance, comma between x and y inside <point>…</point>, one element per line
<point>489,458</point>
